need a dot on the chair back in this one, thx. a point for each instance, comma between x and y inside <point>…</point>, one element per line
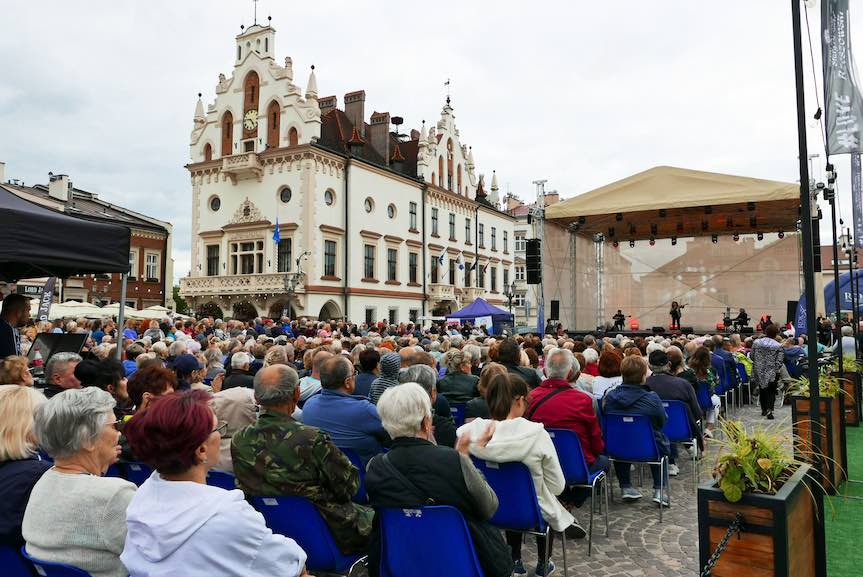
<point>702,393</point>
<point>47,569</point>
<point>571,457</point>
<point>629,437</point>
<point>135,471</point>
<point>677,428</point>
<point>299,519</point>
<point>13,563</point>
<point>412,542</point>
<point>113,471</point>
<point>741,373</point>
<point>222,479</point>
<point>360,496</point>
<point>518,507</point>
<point>457,411</point>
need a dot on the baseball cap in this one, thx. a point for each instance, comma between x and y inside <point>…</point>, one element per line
<point>658,359</point>
<point>187,364</point>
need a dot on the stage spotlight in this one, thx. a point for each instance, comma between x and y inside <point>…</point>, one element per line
<point>673,241</point>
<point>781,234</point>
<point>653,229</point>
<point>610,232</point>
<point>736,237</point>
<point>618,217</point>
<point>708,209</point>
<point>662,213</point>
<point>703,225</point>
<point>760,236</point>
<point>652,241</point>
<point>615,244</point>
<point>632,244</point>
<point>714,238</point>
<point>750,206</point>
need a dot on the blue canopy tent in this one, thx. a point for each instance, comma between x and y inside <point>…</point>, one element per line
<point>846,298</point>
<point>479,308</point>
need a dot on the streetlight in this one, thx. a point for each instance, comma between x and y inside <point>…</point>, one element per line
<point>509,293</point>
<point>292,281</point>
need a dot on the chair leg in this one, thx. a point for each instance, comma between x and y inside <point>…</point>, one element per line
<point>662,471</point>
<point>563,545</point>
<point>590,521</point>
<point>547,547</point>
<point>606,488</point>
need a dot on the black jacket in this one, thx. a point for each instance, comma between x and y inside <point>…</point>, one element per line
<point>238,378</point>
<point>16,481</point>
<point>436,472</point>
<point>527,373</point>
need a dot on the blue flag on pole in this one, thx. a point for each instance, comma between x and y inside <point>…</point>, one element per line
<point>277,237</point>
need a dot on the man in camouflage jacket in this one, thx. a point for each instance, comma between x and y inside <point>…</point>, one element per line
<point>278,456</point>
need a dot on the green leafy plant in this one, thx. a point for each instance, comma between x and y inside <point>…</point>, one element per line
<point>849,365</point>
<point>752,462</point>
<point>829,386</point>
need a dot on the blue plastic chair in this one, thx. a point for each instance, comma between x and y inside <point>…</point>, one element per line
<point>518,508</point>
<point>222,479</point>
<point>629,439</point>
<point>135,471</point>
<point>13,563</point>
<point>575,471</point>
<point>413,542</point>
<point>360,496</point>
<point>47,569</point>
<point>679,430</point>
<point>299,519</point>
<point>457,410</point>
<point>113,471</point>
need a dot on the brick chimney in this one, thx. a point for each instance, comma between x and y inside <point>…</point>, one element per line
<point>58,187</point>
<point>552,198</point>
<point>512,202</point>
<point>379,133</point>
<point>327,103</point>
<point>355,109</point>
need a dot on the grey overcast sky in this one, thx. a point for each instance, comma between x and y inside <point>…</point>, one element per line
<point>579,93</point>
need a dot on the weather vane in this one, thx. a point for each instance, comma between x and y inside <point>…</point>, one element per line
<point>447,84</point>
<point>255,3</point>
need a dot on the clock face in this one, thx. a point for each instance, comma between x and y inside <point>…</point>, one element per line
<point>250,120</point>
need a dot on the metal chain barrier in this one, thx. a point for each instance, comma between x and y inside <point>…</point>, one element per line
<point>732,528</point>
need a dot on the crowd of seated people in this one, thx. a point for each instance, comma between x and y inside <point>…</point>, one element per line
<point>190,397</point>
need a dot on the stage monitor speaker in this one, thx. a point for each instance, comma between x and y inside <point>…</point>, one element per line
<point>533,261</point>
<point>658,330</point>
<point>747,330</point>
<point>555,310</point>
<point>686,330</point>
<point>791,312</point>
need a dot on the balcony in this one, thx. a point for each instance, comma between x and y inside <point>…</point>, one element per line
<point>232,284</point>
<point>242,166</point>
<point>441,292</point>
<point>470,294</point>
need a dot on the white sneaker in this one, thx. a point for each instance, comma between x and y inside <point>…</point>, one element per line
<point>673,470</point>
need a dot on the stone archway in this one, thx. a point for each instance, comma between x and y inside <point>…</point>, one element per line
<point>278,307</point>
<point>244,311</point>
<point>330,312</point>
<point>209,309</point>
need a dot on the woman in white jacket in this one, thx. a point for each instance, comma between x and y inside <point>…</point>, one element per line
<point>516,439</point>
<point>177,524</point>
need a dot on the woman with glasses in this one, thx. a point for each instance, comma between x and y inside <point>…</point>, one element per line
<point>74,515</point>
<point>179,525</point>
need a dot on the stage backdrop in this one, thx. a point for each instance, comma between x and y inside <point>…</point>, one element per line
<point>760,276</point>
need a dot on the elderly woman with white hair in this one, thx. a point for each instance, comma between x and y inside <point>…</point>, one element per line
<point>459,384</point>
<point>416,471</point>
<point>74,515</point>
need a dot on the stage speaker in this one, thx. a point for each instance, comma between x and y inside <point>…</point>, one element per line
<point>686,330</point>
<point>816,247</point>
<point>791,312</point>
<point>747,330</point>
<point>658,330</point>
<point>533,261</point>
<point>555,310</point>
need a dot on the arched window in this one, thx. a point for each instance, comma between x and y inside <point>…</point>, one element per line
<point>449,167</point>
<point>251,93</point>
<point>440,170</point>
<point>273,116</point>
<point>459,178</point>
<point>293,137</point>
<point>227,133</point>
<point>434,179</point>
<point>208,152</point>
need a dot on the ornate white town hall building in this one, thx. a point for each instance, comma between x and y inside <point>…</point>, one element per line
<point>380,225</point>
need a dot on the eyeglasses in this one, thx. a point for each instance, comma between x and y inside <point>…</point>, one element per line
<point>221,429</point>
<point>116,425</point>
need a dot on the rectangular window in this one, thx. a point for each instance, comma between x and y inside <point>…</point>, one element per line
<point>392,264</point>
<point>368,261</point>
<point>246,256</point>
<point>481,230</point>
<point>452,272</point>
<point>329,258</point>
<point>452,226</point>
<point>413,216</point>
<point>213,260</point>
<point>413,315</point>
<point>151,265</point>
<point>393,316</point>
<point>467,274</point>
<point>434,222</point>
<point>518,300</point>
<point>519,242</point>
<point>413,258</point>
<point>493,281</point>
<point>370,315</point>
<point>434,269</point>
<point>493,238</point>
<point>467,230</point>
<point>505,241</point>
<point>480,276</point>
<point>519,273</point>
<point>505,278</point>
<point>133,263</point>
<point>284,255</point>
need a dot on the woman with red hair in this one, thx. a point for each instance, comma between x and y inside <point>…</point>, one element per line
<point>179,525</point>
<point>609,373</point>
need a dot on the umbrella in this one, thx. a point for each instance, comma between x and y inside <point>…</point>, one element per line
<point>147,314</point>
<point>113,310</point>
<point>158,308</point>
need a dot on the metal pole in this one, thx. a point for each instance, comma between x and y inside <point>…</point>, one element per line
<point>121,316</point>
<point>808,273</point>
<point>831,194</point>
<point>852,287</point>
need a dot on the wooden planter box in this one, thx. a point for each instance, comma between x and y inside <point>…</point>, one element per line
<point>852,398</point>
<point>782,534</point>
<point>832,439</point>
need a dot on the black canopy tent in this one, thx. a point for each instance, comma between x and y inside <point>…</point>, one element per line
<point>37,241</point>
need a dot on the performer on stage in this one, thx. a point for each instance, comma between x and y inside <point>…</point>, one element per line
<point>618,319</point>
<point>676,312</point>
<point>741,320</point>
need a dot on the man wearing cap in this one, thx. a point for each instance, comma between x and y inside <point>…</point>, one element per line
<point>16,311</point>
<point>671,388</point>
<point>184,366</point>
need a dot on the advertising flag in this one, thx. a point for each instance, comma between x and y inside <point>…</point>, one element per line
<point>45,299</point>
<point>856,195</point>
<point>842,100</point>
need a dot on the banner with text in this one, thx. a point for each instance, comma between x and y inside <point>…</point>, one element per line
<point>856,195</point>
<point>842,100</point>
<point>45,299</point>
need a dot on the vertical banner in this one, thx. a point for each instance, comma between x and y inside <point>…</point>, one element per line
<point>842,101</point>
<point>45,299</point>
<point>856,195</point>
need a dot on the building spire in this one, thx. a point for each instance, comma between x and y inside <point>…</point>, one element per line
<point>199,109</point>
<point>312,86</point>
